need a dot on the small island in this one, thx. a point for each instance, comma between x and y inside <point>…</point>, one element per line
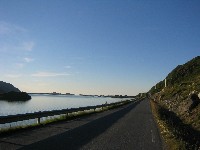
<point>15,96</point>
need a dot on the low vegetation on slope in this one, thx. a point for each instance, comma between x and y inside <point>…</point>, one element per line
<point>180,100</point>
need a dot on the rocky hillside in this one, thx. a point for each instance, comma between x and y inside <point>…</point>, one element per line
<point>182,93</point>
<point>7,87</point>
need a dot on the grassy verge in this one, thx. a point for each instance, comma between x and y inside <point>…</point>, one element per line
<point>64,117</point>
<point>175,133</point>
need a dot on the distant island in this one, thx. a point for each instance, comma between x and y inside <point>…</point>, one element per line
<point>69,94</point>
<point>122,96</point>
<point>11,93</point>
<point>112,96</point>
<point>53,93</point>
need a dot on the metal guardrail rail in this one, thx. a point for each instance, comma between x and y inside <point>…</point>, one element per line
<point>39,115</point>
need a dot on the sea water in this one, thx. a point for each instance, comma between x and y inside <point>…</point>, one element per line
<point>46,102</point>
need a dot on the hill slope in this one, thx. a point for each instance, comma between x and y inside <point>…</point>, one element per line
<point>179,102</point>
<point>11,93</point>
<point>182,82</point>
<point>186,76</point>
<point>7,87</point>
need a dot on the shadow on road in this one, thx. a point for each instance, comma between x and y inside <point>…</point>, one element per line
<point>76,138</point>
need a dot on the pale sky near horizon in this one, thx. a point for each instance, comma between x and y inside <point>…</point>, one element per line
<point>95,46</point>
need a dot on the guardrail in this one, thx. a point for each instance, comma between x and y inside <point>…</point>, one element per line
<point>39,115</point>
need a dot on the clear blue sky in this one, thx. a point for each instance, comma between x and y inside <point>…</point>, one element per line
<point>95,46</point>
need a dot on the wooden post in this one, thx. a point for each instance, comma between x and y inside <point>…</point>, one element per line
<point>165,82</point>
<point>67,113</point>
<point>38,120</point>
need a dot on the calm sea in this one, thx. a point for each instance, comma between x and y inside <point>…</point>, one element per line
<point>47,102</point>
<point>51,102</point>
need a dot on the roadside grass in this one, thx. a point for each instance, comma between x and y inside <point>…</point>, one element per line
<point>169,139</point>
<point>174,132</point>
<point>62,117</point>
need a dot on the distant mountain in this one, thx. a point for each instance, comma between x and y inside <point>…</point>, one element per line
<point>7,87</point>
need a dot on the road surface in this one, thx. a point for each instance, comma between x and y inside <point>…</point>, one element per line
<point>129,128</point>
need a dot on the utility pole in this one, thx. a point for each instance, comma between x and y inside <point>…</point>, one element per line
<point>165,82</point>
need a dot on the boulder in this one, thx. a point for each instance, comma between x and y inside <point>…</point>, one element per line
<point>195,101</point>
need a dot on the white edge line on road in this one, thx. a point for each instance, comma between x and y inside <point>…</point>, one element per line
<point>152,137</point>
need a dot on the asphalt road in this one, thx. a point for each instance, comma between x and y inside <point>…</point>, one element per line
<point>130,128</point>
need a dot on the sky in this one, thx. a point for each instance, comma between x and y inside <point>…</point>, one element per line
<point>95,46</point>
